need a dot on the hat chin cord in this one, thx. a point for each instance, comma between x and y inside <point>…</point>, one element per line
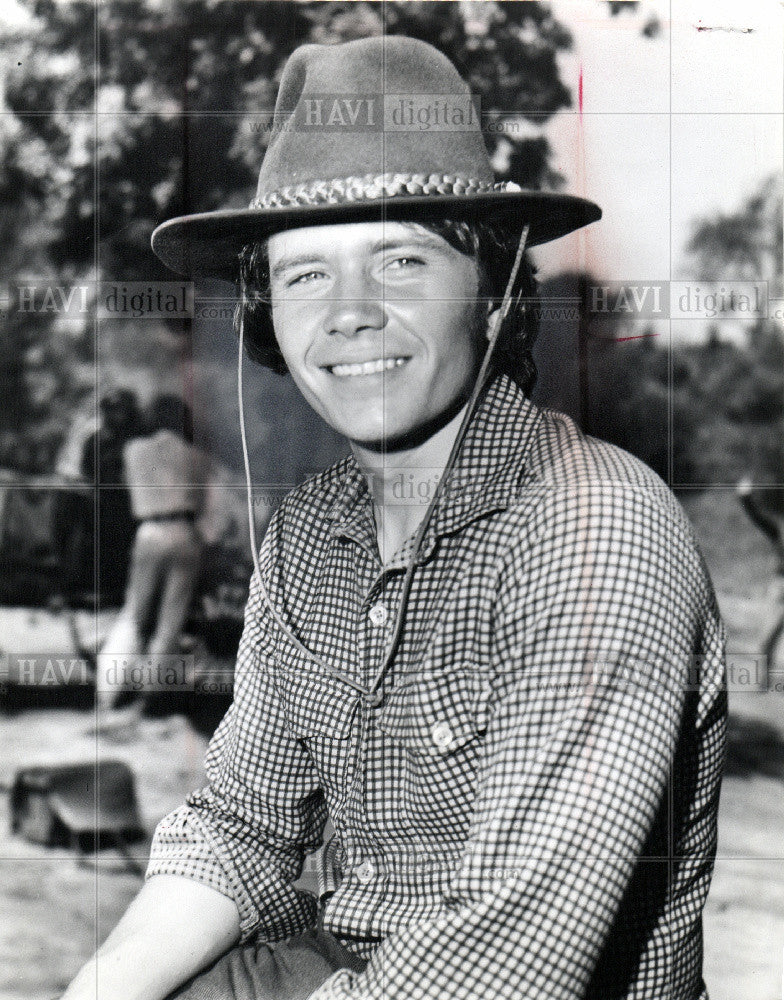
<point>372,694</point>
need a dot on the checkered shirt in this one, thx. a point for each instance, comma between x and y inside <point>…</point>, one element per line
<point>530,811</point>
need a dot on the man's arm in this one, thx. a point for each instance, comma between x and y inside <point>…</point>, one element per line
<point>223,866</point>
<point>174,928</point>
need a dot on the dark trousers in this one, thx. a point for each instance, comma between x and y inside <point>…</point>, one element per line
<point>286,970</point>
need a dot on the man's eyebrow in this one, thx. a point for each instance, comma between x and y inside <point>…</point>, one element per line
<point>295,260</point>
<point>425,241</point>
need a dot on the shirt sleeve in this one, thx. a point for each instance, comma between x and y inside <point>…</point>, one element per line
<point>248,831</point>
<point>599,609</point>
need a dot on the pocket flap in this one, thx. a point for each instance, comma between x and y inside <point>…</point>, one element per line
<point>436,714</point>
<point>315,704</point>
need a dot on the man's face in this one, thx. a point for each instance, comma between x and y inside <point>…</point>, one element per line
<point>377,323</point>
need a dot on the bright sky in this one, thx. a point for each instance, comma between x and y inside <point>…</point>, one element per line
<point>675,127</point>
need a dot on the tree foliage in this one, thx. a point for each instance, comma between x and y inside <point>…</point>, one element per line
<point>746,384</point>
<point>746,244</point>
<point>699,413</point>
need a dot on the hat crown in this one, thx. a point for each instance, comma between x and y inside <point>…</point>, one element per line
<point>374,107</point>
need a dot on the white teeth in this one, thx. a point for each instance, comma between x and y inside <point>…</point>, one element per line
<point>367,367</point>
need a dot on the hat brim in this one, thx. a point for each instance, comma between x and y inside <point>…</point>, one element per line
<point>209,243</point>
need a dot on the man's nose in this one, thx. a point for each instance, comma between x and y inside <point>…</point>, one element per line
<point>357,305</point>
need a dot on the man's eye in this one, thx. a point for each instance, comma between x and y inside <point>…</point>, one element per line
<point>405,262</point>
<point>306,278</point>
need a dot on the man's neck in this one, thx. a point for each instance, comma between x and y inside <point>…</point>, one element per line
<point>403,481</point>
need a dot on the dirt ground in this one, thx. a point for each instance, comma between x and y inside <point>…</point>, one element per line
<point>54,909</point>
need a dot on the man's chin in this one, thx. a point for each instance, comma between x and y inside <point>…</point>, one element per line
<point>407,437</point>
<point>390,443</point>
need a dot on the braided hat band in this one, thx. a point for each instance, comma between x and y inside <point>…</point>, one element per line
<point>372,187</point>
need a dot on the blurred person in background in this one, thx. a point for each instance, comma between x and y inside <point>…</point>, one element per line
<point>102,465</point>
<point>167,478</point>
<point>93,515</point>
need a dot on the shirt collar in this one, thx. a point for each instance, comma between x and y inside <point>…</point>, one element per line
<point>351,513</point>
<point>491,463</point>
<point>486,476</point>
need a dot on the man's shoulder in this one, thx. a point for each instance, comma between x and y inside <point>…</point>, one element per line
<point>566,456</point>
<point>575,475</point>
<point>585,495</point>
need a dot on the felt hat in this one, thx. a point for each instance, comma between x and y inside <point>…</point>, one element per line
<point>379,128</point>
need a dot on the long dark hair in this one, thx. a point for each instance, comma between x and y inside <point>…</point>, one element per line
<point>492,246</point>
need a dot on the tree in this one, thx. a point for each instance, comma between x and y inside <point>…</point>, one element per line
<point>651,26</point>
<point>746,390</point>
<point>746,244</point>
<point>615,379</point>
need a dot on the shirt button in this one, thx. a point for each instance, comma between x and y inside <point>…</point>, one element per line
<point>441,734</point>
<point>378,614</point>
<point>365,872</point>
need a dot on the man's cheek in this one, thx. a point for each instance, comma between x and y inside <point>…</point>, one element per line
<point>287,328</point>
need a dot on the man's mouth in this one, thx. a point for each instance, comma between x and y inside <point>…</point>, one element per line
<point>375,367</point>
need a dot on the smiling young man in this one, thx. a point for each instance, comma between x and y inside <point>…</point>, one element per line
<point>380,326</point>
<point>508,701</point>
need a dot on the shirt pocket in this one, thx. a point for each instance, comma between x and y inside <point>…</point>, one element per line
<point>431,727</point>
<point>315,704</point>
<point>437,713</point>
